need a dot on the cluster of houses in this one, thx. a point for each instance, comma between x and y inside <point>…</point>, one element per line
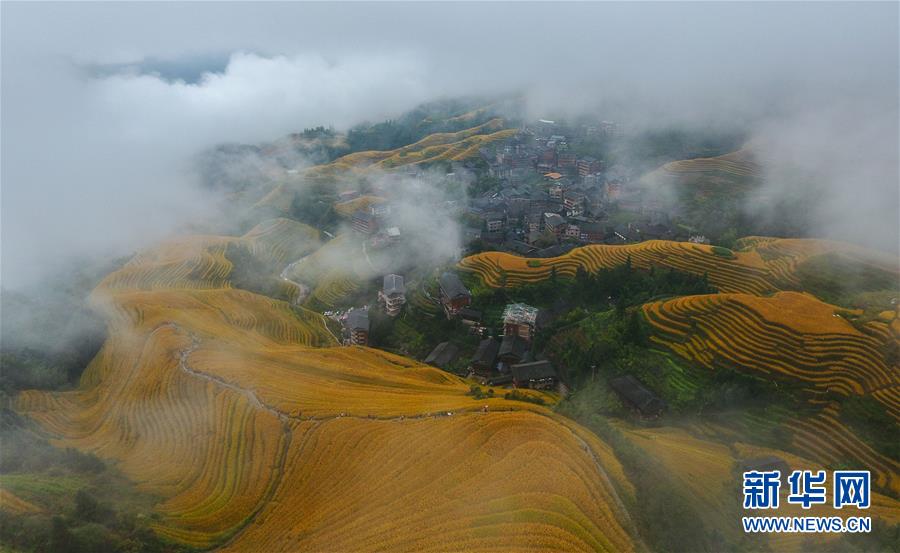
<point>570,207</point>
<point>501,361</point>
<point>509,358</point>
<point>355,321</point>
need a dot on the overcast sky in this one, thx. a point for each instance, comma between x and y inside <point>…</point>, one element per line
<point>103,104</point>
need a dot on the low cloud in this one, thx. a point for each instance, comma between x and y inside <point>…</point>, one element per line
<point>102,165</point>
<point>106,106</point>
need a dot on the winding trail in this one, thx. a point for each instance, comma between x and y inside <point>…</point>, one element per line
<point>304,289</point>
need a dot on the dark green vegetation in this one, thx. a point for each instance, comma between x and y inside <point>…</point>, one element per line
<point>253,273</point>
<point>86,505</point>
<point>565,301</point>
<point>313,205</point>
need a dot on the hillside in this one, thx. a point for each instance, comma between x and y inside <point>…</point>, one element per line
<point>838,361</point>
<point>758,266</point>
<point>437,147</point>
<point>794,338</point>
<point>223,403</point>
<point>739,163</point>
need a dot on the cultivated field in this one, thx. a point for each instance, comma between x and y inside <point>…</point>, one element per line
<point>759,266</point>
<point>236,411</point>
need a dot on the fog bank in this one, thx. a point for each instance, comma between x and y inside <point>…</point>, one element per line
<point>105,105</point>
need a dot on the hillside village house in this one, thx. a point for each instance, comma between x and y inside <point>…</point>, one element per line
<point>588,166</point>
<point>532,222</point>
<point>555,223</point>
<point>641,400</point>
<point>556,190</point>
<point>591,232</point>
<point>356,327</point>
<point>364,221</point>
<point>494,221</point>
<point>454,295</point>
<point>443,355</point>
<point>392,294</point>
<point>537,375</point>
<point>574,203</point>
<point>513,349</point>
<point>520,319</point>
<point>485,357</point>
<point>566,160</point>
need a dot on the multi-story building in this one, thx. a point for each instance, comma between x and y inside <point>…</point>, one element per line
<point>356,327</point>
<point>392,294</point>
<point>364,221</point>
<point>454,295</point>
<point>520,320</point>
<point>588,166</point>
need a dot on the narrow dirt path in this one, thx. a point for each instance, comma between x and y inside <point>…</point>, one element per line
<point>304,289</point>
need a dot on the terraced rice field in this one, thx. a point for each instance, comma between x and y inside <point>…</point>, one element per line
<point>738,163</point>
<point>790,335</point>
<point>335,270</point>
<point>762,267</point>
<point>455,146</point>
<point>283,240</point>
<point>472,481</point>
<point>233,409</point>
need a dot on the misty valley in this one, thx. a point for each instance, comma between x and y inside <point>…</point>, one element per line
<point>542,307</point>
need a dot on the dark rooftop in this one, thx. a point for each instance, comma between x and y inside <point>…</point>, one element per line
<point>452,286</point>
<point>633,392</point>
<point>535,370</point>
<point>469,314</point>
<point>486,353</point>
<point>442,355</point>
<point>358,319</point>
<point>513,345</point>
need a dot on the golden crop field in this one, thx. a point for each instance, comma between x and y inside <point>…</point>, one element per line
<point>453,146</point>
<point>739,163</point>
<point>238,412</point>
<point>479,482</point>
<point>751,270</point>
<point>283,240</point>
<point>790,334</point>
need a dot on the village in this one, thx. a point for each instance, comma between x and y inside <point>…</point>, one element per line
<point>548,199</point>
<point>541,200</point>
